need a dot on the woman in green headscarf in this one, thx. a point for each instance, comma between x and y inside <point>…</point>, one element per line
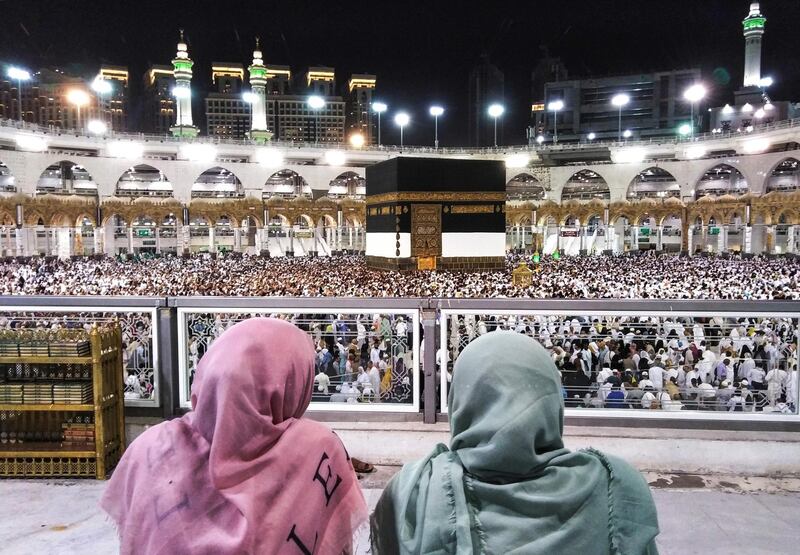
<point>507,484</point>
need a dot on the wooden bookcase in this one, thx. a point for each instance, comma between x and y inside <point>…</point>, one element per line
<point>66,437</point>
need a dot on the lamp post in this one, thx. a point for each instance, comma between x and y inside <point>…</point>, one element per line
<point>693,95</point>
<point>78,98</point>
<point>401,120</point>
<point>102,87</point>
<point>180,92</point>
<point>20,75</point>
<point>436,111</point>
<point>495,111</point>
<point>251,98</point>
<point>620,100</point>
<point>379,108</point>
<point>555,106</point>
<point>316,103</point>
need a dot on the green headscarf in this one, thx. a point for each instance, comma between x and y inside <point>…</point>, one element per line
<point>507,484</point>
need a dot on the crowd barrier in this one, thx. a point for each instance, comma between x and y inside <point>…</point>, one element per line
<point>414,343</point>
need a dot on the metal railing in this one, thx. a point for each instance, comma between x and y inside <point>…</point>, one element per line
<point>417,341</point>
<point>535,148</point>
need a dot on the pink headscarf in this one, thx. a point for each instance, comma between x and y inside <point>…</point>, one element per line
<point>243,472</point>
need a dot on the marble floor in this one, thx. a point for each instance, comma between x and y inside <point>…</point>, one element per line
<point>743,516</point>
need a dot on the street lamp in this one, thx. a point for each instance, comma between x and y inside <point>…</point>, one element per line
<point>620,100</point>
<point>379,108</point>
<point>591,136</point>
<point>251,98</point>
<point>78,97</point>
<point>495,111</point>
<point>555,106</point>
<point>357,140</point>
<point>402,120</point>
<point>20,75</point>
<point>436,111</point>
<point>693,95</point>
<point>627,134</point>
<point>316,103</point>
<point>685,129</point>
<point>96,127</point>
<point>180,92</point>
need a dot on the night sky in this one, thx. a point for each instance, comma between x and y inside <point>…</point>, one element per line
<point>420,51</point>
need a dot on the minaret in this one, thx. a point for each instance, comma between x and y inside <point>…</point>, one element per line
<point>182,70</point>
<point>753,25</point>
<point>258,104</point>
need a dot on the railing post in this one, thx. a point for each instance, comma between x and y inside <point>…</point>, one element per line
<point>168,360</point>
<point>429,365</point>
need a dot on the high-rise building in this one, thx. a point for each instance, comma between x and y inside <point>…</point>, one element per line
<point>360,118</point>
<point>50,98</point>
<point>486,86</point>
<point>548,70</point>
<point>227,114</point>
<point>297,121</point>
<point>656,106</point>
<point>159,104</point>
<point>321,81</point>
<point>279,79</point>
<point>113,106</point>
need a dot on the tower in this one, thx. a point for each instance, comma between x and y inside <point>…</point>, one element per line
<point>182,70</point>
<point>753,25</point>
<point>258,106</point>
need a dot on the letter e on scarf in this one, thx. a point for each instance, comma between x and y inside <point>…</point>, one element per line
<point>326,481</point>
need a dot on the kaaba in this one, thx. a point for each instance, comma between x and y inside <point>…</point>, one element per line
<point>436,213</point>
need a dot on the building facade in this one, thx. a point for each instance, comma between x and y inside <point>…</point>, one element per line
<point>486,86</point>
<point>656,106</point>
<point>360,117</point>
<point>113,106</point>
<point>158,102</point>
<point>295,120</point>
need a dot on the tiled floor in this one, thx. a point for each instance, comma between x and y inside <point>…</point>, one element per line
<point>61,517</point>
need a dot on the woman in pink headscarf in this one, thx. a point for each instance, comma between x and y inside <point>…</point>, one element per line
<point>243,472</point>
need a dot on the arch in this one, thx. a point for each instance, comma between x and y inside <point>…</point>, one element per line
<point>586,185</point>
<point>303,219</point>
<point>328,221</point>
<point>217,182</point>
<point>34,217</point>
<point>722,179</point>
<point>525,186</point>
<point>66,177</point>
<point>654,182</point>
<point>785,177</point>
<point>59,219</point>
<point>286,183</point>
<point>351,220</point>
<point>7,184</point>
<point>143,180</point>
<point>81,218</point>
<point>347,184</point>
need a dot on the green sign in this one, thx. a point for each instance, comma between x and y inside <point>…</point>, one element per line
<point>713,231</point>
<point>536,258</point>
<point>644,232</point>
<point>556,255</point>
<point>755,23</point>
<point>144,232</point>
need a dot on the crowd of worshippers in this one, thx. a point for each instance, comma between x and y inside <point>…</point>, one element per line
<point>360,358</point>
<point>743,365</point>
<point>625,276</point>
